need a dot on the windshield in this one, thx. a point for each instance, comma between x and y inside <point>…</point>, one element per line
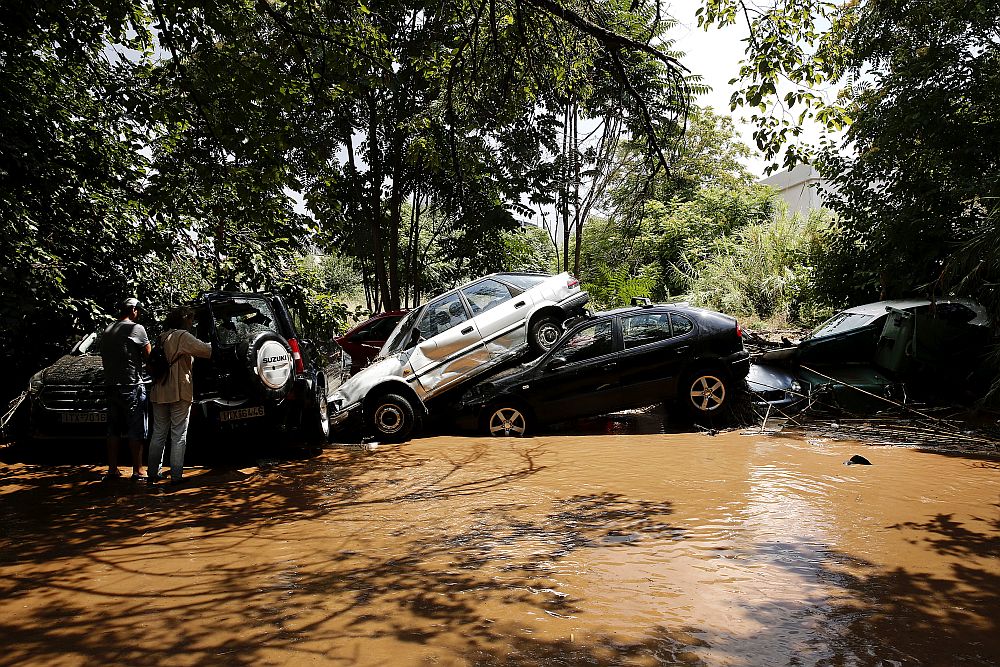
<point>237,317</point>
<point>522,281</point>
<point>399,339</point>
<point>841,322</point>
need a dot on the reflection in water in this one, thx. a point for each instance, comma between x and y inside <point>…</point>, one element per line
<point>556,550</point>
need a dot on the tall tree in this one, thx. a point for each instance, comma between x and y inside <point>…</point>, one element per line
<point>73,230</point>
<point>915,83</point>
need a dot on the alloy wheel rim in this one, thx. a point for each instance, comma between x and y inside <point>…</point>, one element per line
<point>708,393</point>
<point>388,419</point>
<point>507,422</point>
<point>324,413</point>
<point>548,334</point>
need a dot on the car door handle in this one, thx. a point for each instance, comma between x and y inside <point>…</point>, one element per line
<point>682,348</point>
<point>466,330</point>
<point>519,304</point>
<point>607,366</point>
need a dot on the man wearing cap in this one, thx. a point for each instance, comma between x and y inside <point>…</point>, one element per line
<point>124,348</point>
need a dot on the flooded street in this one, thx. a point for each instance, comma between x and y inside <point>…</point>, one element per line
<point>556,550</point>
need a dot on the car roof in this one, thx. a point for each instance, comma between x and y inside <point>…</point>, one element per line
<point>879,307</point>
<point>682,306</point>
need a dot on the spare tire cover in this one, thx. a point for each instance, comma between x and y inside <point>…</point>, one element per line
<point>269,359</point>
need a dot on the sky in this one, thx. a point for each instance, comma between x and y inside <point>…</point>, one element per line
<point>715,55</point>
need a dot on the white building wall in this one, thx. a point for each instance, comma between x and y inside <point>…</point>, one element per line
<point>801,188</point>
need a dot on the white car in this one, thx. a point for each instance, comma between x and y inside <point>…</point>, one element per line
<point>452,339</point>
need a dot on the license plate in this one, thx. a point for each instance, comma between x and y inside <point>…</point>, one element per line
<point>241,413</point>
<point>84,417</point>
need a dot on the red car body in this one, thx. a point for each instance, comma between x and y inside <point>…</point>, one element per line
<point>364,341</point>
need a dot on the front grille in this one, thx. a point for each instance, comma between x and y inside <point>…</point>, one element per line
<point>73,397</point>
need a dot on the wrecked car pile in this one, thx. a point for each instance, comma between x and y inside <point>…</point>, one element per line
<point>875,356</point>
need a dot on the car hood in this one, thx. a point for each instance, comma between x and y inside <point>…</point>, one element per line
<point>358,386</point>
<point>75,369</point>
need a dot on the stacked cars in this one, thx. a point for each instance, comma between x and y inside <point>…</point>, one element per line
<point>454,338</point>
<point>457,356</point>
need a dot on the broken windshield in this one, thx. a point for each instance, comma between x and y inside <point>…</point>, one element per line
<point>841,322</point>
<point>399,339</point>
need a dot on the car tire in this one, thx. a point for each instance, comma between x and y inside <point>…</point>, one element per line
<point>706,392</point>
<point>543,334</point>
<point>268,358</point>
<point>317,420</point>
<point>506,420</point>
<point>392,418</point>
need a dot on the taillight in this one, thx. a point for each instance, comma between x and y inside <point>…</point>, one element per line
<point>739,330</point>
<point>296,355</point>
<point>573,282</point>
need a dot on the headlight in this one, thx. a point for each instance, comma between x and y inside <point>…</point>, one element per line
<point>796,387</point>
<point>36,382</point>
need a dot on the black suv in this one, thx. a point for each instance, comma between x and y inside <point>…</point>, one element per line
<point>261,374</point>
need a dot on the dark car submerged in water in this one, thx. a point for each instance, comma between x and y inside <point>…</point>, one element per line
<point>887,349</point>
<point>262,376</point>
<point>627,358</point>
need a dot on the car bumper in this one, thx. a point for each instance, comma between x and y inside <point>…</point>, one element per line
<point>343,417</point>
<point>575,303</point>
<point>738,363</point>
<point>46,424</point>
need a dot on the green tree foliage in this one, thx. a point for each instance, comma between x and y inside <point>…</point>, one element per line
<point>74,229</point>
<point>528,249</point>
<point>658,222</point>
<point>914,83</point>
<point>764,270</point>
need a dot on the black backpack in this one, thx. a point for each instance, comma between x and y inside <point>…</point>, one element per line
<point>157,365</point>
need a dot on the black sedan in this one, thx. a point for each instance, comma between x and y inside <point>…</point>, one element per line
<point>627,358</point>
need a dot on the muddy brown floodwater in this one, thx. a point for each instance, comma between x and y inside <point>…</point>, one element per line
<point>560,550</point>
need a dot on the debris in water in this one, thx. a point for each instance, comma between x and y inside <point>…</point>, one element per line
<point>857,460</point>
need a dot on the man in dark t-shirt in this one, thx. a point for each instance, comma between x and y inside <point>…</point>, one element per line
<point>124,349</point>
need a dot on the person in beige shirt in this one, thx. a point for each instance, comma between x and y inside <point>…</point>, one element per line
<point>172,397</point>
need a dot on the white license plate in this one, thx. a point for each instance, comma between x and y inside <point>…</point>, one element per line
<point>241,413</point>
<point>84,417</point>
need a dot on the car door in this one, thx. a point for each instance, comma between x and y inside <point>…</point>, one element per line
<point>498,310</point>
<point>655,345</point>
<point>451,348</point>
<point>578,378</point>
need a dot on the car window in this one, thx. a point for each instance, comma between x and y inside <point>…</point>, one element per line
<point>522,281</point>
<point>237,317</point>
<point>377,329</point>
<point>587,343</point>
<point>644,329</point>
<point>681,324</point>
<point>841,322</point>
<point>486,295</point>
<point>442,315</point>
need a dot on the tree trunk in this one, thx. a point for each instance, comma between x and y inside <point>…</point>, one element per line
<point>375,203</point>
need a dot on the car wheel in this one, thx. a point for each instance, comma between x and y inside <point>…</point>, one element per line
<point>318,422</point>
<point>544,333</point>
<point>706,392</point>
<point>506,420</point>
<point>392,418</point>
